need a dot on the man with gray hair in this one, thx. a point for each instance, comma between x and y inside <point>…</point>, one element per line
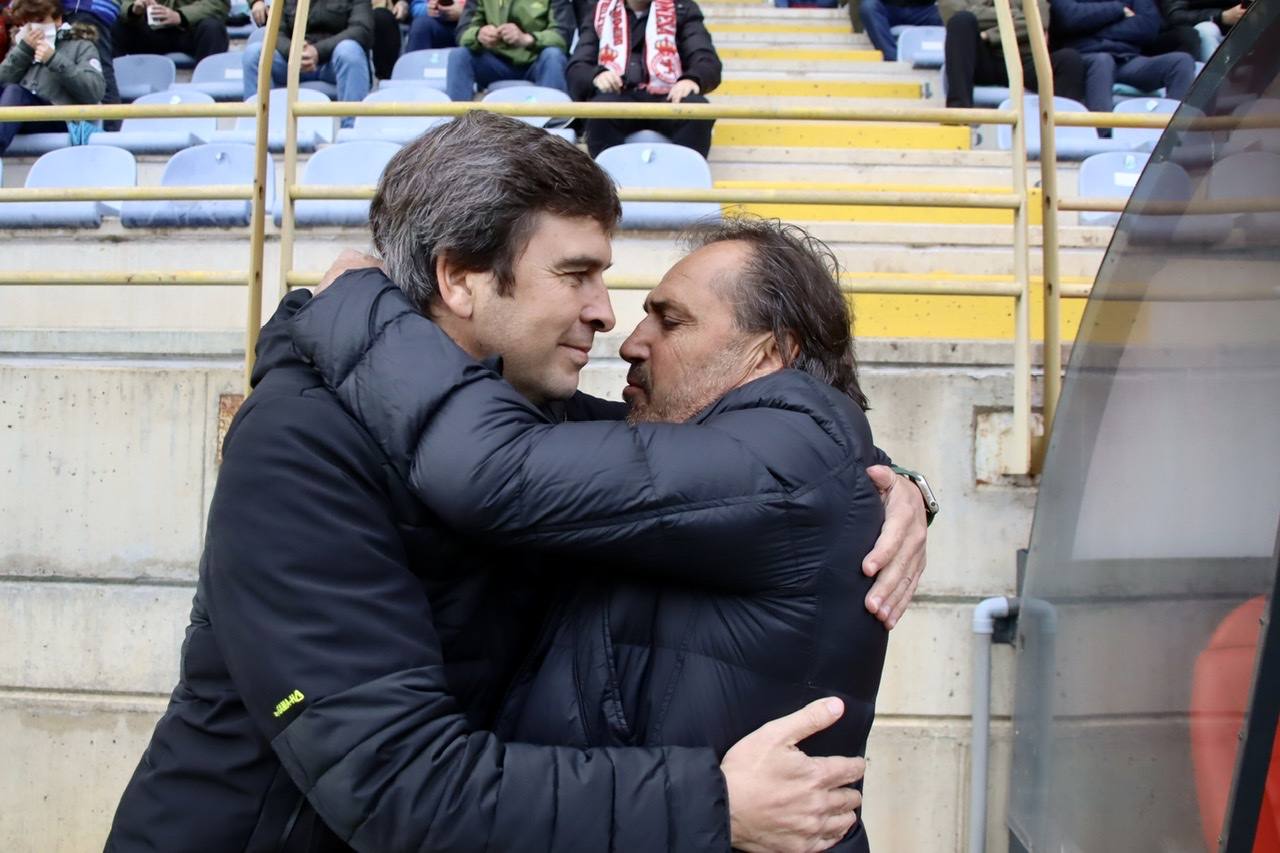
<point>350,650</point>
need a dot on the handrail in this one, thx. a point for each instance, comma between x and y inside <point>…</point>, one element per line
<point>213,192</point>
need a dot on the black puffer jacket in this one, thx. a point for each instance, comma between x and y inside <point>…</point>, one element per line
<point>756,517</point>
<point>333,625</point>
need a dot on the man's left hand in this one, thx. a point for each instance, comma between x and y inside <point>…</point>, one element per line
<point>310,58</point>
<point>168,17</point>
<point>683,89</point>
<point>898,558</point>
<point>349,260</point>
<point>514,36</point>
<point>400,10</point>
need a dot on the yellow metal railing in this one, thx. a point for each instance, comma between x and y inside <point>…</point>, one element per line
<point>1024,455</point>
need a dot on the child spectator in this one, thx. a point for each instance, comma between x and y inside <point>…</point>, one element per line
<point>197,27</point>
<point>50,63</point>
<point>645,52</point>
<point>510,40</point>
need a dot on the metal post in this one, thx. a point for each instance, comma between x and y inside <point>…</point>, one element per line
<point>258,217</point>
<point>1018,458</point>
<point>296,42</point>
<point>1052,278</point>
<point>984,616</point>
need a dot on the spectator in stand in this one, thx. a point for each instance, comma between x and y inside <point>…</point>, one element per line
<point>878,16</point>
<point>435,24</point>
<point>1112,35</point>
<point>510,40</point>
<point>388,15</point>
<point>973,56</point>
<point>101,15</point>
<point>49,63</point>
<point>197,27</point>
<point>645,52</point>
<point>339,35</point>
<point>1211,20</point>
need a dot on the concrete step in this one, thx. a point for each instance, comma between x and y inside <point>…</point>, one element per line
<point>746,83</point>
<point>717,12</point>
<point>798,134</point>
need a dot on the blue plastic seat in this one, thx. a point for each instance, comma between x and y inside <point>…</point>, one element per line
<point>349,164</point>
<point>1137,138</point>
<point>220,76</point>
<point>397,129</point>
<point>1111,174</point>
<point>142,74</point>
<point>204,165</point>
<point>922,46</point>
<point>162,135</point>
<point>182,60</point>
<point>312,130</point>
<point>659,165</point>
<point>1073,143</point>
<point>527,94</point>
<point>420,68</point>
<point>1261,138</point>
<point>504,84</point>
<point>79,166</point>
<point>648,136</point>
<point>1249,176</point>
<point>989,96</point>
<point>35,144</point>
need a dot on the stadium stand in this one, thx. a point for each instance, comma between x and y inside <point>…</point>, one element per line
<point>311,131</point>
<point>344,164</point>
<point>162,135</point>
<point>659,165</point>
<point>1111,174</point>
<point>420,67</point>
<point>526,94</point>
<point>81,166</point>
<point>204,165</point>
<point>395,129</point>
<point>143,74</point>
<point>1073,143</point>
<point>921,46</point>
<point>1137,138</point>
<point>220,76</point>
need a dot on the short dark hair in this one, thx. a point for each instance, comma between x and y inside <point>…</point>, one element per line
<point>790,286</point>
<point>472,188</point>
<point>26,11</point>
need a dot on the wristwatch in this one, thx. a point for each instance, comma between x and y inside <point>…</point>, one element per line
<point>931,507</point>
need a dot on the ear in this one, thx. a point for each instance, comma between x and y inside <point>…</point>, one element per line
<point>455,287</point>
<point>770,358</point>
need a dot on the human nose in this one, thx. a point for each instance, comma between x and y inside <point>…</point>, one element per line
<point>598,311</point>
<point>635,349</point>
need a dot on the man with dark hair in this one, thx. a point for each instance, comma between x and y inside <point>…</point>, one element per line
<point>974,56</point>
<point>197,27</point>
<point>645,52</point>
<point>348,650</point>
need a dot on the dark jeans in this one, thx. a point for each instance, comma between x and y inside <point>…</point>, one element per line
<point>878,17</point>
<point>605,133</point>
<point>207,37</point>
<point>1172,71</point>
<point>1173,39</point>
<point>386,43</point>
<point>14,95</point>
<point>428,33</point>
<point>969,62</point>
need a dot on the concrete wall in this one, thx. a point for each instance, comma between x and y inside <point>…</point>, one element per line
<point>109,462</point>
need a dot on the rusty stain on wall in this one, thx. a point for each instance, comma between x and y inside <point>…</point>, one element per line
<point>228,405</point>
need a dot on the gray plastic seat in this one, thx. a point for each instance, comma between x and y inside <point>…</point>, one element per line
<point>79,166</point>
<point>216,164</point>
<point>1255,138</point>
<point>162,135</point>
<point>1073,143</point>
<point>397,129</point>
<point>1249,176</point>
<point>420,68</point>
<point>142,74</point>
<point>528,94</point>
<point>312,130</point>
<point>649,136</point>
<point>922,46</point>
<point>1138,138</point>
<point>220,76</point>
<point>182,60</point>
<point>1111,174</point>
<point>347,164</point>
<point>35,144</point>
<point>660,165</point>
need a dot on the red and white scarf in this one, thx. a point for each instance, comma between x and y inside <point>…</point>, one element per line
<point>661,57</point>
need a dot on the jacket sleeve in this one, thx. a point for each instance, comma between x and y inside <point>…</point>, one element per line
<point>15,65</point>
<point>359,29</point>
<point>73,62</point>
<point>1082,17</point>
<point>559,31</point>
<point>196,11</point>
<point>584,64</point>
<point>329,639</point>
<point>470,22</point>
<point>698,56</point>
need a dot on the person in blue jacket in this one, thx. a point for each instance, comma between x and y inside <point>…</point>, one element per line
<point>1112,34</point>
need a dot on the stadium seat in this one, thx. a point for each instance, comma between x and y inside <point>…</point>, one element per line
<point>241,31</point>
<point>349,164</point>
<point>1111,174</point>
<point>312,130</point>
<point>182,60</point>
<point>220,76</point>
<point>1073,143</point>
<point>78,166</point>
<point>649,136</point>
<point>989,96</point>
<point>922,46</point>
<point>1249,176</point>
<point>162,135</point>
<point>203,165</point>
<point>1255,138</point>
<point>526,93</point>
<point>505,84</point>
<point>659,165</point>
<point>420,68</point>
<point>35,144</point>
<point>240,11</point>
<point>1142,139</point>
<point>142,74</point>
<point>397,129</point>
